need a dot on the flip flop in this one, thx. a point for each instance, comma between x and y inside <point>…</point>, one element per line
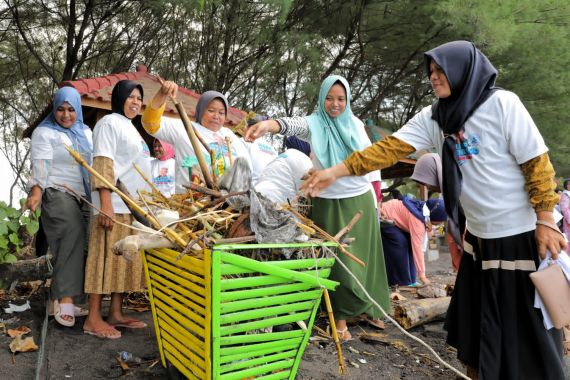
<point>379,324</point>
<point>78,311</point>
<point>129,323</point>
<point>104,333</point>
<point>61,309</point>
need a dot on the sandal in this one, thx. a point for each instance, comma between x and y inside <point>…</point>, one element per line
<point>378,323</point>
<point>129,323</point>
<point>343,335</point>
<point>106,333</point>
<point>64,309</point>
<point>77,311</point>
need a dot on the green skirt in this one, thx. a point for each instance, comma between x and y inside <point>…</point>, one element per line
<point>348,300</point>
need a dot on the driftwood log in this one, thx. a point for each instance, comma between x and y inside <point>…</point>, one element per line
<point>416,312</point>
<point>25,270</point>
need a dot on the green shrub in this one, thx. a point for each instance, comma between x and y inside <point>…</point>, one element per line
<point>16,230</point>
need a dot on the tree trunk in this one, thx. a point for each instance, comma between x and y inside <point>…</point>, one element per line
<point>417,312</point>
<point>25,270</point>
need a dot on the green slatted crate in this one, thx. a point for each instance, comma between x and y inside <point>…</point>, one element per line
<point>212,314</point>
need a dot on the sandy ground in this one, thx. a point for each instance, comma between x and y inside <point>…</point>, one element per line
<point>70,354</point>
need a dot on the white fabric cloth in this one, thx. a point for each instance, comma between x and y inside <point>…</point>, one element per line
<point>173,132</point>
<point>49,144</point>
<point>499,137</point>
<point>564,262</point>
<point>163,175</point>
<point>115,137</point>
<point>282,177</point>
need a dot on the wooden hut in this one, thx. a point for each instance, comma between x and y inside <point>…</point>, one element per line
<point>96,99</point>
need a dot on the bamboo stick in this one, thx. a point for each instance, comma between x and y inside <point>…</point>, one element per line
<point>170,234</point>
<point>341,363</point>
<point>213,164</point>
<point>229,145</point>
<point>312,224</point>
<point>193,139</point>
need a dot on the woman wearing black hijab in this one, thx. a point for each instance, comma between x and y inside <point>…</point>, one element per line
<point>117,145</point>
<point>498,182</point>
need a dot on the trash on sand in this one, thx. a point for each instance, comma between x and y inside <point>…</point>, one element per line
<point>17,308</point>
<point>23,345</point>
<point>19,331</point>
<point>363,361</point>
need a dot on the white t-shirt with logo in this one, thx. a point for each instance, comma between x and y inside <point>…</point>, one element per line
<point>115,137</point>
<point>498,138</point>
<point>173,132</point>
<point>163,175</point>
<point>49,144</point>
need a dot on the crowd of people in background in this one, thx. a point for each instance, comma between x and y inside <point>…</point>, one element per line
<point>487,146</point>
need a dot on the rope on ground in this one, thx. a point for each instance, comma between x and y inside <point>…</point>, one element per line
<point>411,336</point>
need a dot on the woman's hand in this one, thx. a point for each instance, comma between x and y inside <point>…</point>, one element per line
<point>548,237</point>
<point>168,89</point>
<point>34,199</point>
<point>105,218</point>
<point>259,129</point>
<point>317,180</point>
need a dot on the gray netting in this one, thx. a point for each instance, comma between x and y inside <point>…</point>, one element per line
<point>269,223</point>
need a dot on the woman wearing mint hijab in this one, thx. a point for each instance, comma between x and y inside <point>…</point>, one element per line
<point>334,133</point>
<point>65,217</point>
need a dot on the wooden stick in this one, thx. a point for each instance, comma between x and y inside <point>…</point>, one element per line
<point>203,190</point>
<point>213,164</point>
<point>312,224</point>
<point>341,363</point>
<point>170,234</point>
<point>229,145</point>
<point>349,226</point>
<point>243,239</point>
<point>193,139</point>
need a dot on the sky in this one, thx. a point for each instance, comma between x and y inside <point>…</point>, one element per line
<point>6,180</point>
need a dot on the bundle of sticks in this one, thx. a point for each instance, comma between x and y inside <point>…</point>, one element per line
<point>199,219</point>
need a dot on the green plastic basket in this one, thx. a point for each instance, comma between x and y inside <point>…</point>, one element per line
<point>213,315</point>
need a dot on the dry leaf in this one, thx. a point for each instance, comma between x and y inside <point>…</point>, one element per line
<point>22,330</point>
<point>23,345</point>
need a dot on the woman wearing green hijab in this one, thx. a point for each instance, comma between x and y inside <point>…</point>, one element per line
<point>334,132</point>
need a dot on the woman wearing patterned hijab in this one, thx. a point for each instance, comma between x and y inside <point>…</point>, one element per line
<point>117,147</point>
<point>65,217</point>
<point>334,133</point>
<point>498,182</point>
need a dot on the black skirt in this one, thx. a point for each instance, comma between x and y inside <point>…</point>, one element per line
<point>491,320</point>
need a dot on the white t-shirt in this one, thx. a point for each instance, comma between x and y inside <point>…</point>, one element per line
<point>115,137</point>
<point>350,186</point>
<point>173,132</point>
<point>282,177</point>
<point>163,175</point>
<point>261,153</point>
<point>49,144</point>
<point>498,138</point>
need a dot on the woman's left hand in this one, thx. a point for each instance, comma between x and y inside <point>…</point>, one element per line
<point>549,239</point>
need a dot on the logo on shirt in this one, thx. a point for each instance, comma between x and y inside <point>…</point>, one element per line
<point>466,148</point>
